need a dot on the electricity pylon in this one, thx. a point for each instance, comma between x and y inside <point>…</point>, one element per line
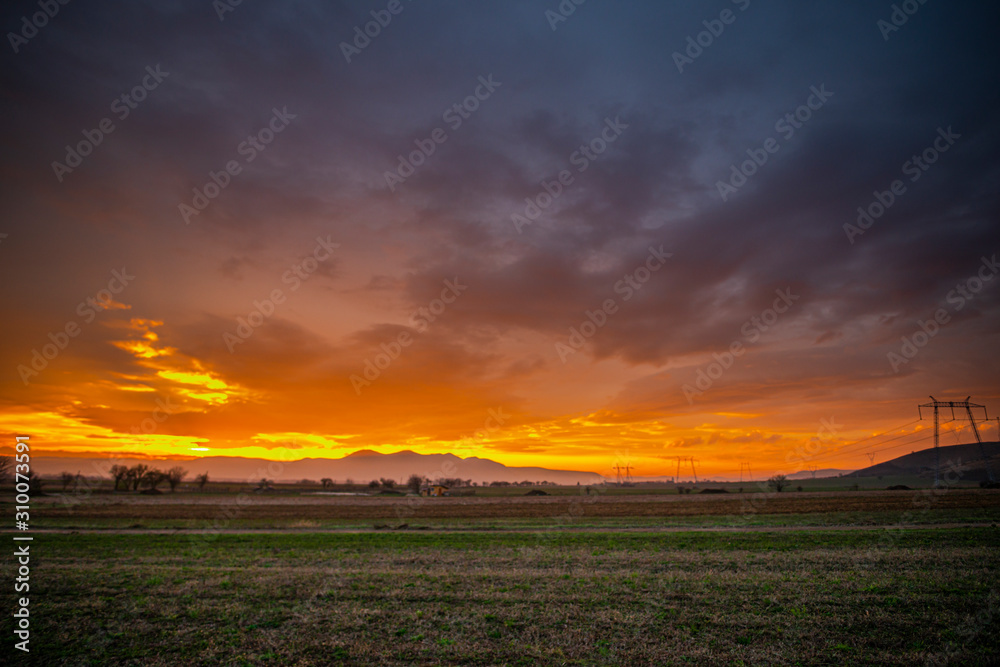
<point>968,407</point>
<point>624,474</point>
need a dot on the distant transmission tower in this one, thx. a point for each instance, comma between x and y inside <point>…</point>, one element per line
<point>624,475</point>
<point>812,469</point>
<point>968,407</point>
<point>871,458</point>
<point>745,465</point>
<point>693,471</point>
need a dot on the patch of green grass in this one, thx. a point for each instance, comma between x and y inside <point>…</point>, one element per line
<point>255,548</point>
<point>82,521</point>
<point>576,598</point>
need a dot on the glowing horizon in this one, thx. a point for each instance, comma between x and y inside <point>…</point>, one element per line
<point>562,237</point>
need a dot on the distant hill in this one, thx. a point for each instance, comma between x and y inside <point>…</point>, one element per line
<point>361,466</point>
<point>968,456</point>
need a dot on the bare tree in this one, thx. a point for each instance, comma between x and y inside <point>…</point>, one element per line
<point>778,482</point>
<point>201,480</point>
<point>119,473</point>
<point>154,478</point>
<point>373,484</point>
<point>66,478</point>
<point>34,483</point>
<point>414,483</point>
<point>455,482</point>
<point>6,463</point>
<point>174,477</point>
<point>388,483</point>
<point>326,482</point>
<point>136,475</point>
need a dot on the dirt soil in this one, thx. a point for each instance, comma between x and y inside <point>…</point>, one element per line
<point>182,506</point>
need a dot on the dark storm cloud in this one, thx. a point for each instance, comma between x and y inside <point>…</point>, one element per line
<point>655,185</point>
<point>786,226</point>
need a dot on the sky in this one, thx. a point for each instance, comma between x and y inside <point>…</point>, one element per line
<point>747,233</point>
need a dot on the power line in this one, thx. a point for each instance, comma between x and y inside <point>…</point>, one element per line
<point>881,449</point>
<point>852,448</point>
<point>686,459</point>
<point>843,449</point>
<point>837,454</point>
<point>840,453</point>
<point>833,454</point>
<point>951,405</point>
<point>624,474</point>
<point>921,439</point>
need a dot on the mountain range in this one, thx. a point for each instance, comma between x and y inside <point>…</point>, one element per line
<point>360,466</point>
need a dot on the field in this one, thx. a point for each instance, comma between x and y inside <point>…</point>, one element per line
<point>895,578</point>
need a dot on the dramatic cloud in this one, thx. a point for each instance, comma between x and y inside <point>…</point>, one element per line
<point>633,236</point>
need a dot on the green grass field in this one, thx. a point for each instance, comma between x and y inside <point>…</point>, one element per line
<point>814,519</point>
<point>861,597</point>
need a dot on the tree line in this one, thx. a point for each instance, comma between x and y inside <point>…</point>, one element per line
<point>140,475</point>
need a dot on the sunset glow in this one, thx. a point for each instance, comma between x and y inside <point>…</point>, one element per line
<point>284,252</point>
